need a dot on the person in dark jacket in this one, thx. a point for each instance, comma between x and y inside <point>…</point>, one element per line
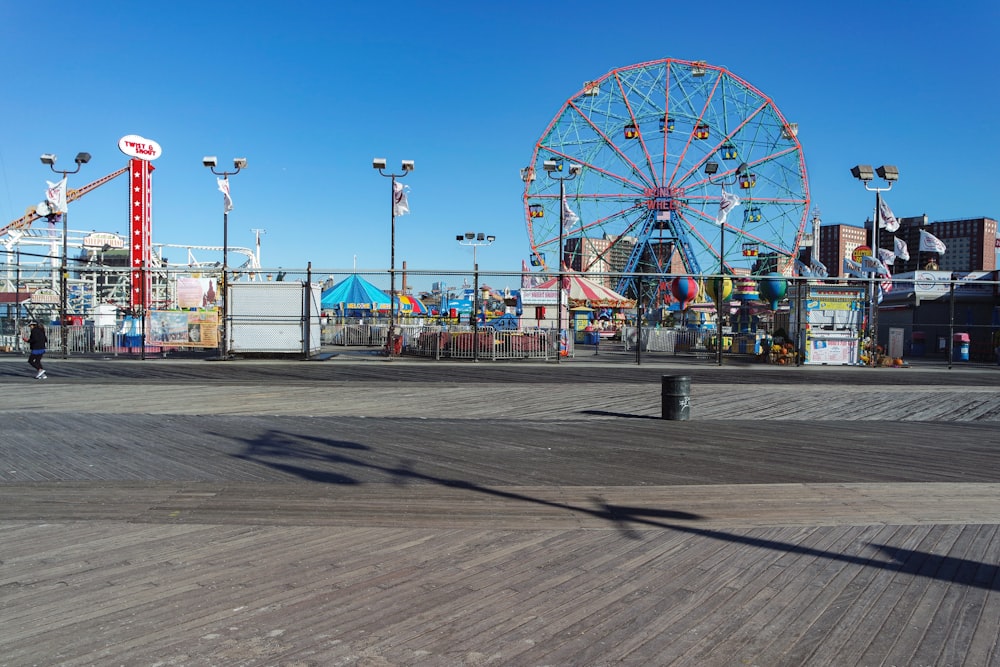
<point>36,343</point>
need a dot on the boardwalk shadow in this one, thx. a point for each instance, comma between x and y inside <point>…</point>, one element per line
<point>606,413</point>
<point>296,451</point>
<point>956,570</point>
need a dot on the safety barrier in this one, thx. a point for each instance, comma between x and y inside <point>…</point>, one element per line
<point>485,344</point>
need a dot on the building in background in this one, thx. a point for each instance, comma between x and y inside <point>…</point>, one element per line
<point>971,243</point>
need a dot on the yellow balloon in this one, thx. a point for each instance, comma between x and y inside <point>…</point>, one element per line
<point>719,289</point>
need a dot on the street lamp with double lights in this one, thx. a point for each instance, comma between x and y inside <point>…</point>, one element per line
<point>475,239</point>
<point>80,160</point>
<point>379,163</point>
<point>238,163</point>
<point>890,174</point>
<point>712,168</point>
<point>552,167</point>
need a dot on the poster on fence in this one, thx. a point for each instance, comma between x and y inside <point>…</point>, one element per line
<point>188,328</point>
<point>196,292</point>
<point>841,351</point>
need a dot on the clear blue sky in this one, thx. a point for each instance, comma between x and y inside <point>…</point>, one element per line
<point>310,92</point>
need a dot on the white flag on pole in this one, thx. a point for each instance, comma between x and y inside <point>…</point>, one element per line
<point>728,202</point>
<point>400,204</point>
<point>56,195</point>
<point>889,221</point>
<point>224,189</point>
<point>931,243</point>
<point>900,247</point>
<point>887,256</point>
<point>569,216</point>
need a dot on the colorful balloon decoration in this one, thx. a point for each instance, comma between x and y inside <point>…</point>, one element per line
<point>773,288</point>
<point>684,289</point>
<point>719,289</point>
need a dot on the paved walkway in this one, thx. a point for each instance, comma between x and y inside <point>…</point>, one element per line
<point>410,513</point>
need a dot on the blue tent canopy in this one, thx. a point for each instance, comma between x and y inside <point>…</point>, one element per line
<point>354,294</point>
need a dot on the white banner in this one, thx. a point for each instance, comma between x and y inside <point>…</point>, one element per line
<point>400,204</point>
<point>55,195</point>
<point>931,243</point>
<point>889,221</point>
<point>224,189</point>
<point>569,217</point>
<point>901,250</point>
<point>728,202</point>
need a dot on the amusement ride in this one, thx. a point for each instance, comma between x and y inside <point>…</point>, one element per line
<point>33,241</point>
<point>654,147</point>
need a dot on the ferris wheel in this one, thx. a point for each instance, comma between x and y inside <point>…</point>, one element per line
<point>646,155</point>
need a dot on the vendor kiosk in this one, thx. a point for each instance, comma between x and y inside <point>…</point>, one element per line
<point>826,320</point>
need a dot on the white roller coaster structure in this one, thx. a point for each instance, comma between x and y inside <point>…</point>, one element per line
<point>32,257</point>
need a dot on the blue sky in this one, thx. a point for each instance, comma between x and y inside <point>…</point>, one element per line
<point>309,93</point>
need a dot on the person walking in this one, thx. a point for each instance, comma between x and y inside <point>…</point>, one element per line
<point>36,344</point>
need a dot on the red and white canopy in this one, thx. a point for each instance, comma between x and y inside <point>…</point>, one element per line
<point>583,291</point>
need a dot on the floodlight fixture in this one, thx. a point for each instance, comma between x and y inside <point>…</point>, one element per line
<point>240,163</point>
<point>48,158</point>
<point>470,235</point>
<point>551,165</point>
<point>575,168</point>
<point>711,168</point>
<point>407,165</point>
<point>82,158</point>
<point>491,238</point>
<point>888,172</point>
<point>459,237</point>
<point>378,163</point>
<point>210,161</point>
<point>863,172</point>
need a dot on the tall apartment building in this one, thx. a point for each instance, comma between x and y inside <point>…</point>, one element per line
<point>971,244</point>
<point>837,242</point>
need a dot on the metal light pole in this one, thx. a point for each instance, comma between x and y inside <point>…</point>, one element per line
<point>239,163</point>
<point>80,160</point>
<point>551,167</point>
<point>475,239</point>
<point>407,166</point>
<point>865,174</point>
<point>711,168</point>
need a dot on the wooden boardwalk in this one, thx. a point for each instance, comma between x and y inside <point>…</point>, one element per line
<point>359,513</point>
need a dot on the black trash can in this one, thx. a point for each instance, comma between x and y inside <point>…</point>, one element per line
<point>675,396</point>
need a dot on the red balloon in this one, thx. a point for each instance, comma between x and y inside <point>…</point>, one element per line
<point>684,289</point>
